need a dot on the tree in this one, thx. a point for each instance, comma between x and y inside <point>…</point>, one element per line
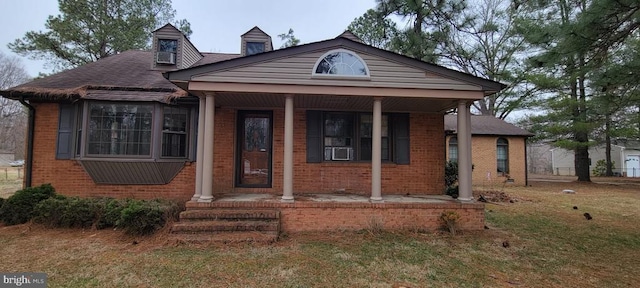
<point>289,38</point>
<point>374,29</point>
<point>12,115</point>
<point>88,30</point>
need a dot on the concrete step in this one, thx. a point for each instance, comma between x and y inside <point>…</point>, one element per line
<point>224,226</point>
<point>235,237</point>
<point>228,214</point>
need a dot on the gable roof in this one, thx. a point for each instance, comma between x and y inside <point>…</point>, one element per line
<point>186,74</point>
<point>486,125</point>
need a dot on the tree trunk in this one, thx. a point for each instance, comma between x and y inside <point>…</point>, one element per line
<point>581,133</point>
<point>607,139</point>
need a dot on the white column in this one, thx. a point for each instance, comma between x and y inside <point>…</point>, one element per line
<point>207,165</point>
<point>200,152</point>
<point>376,152</point>
<point>464,152</point>
<point>287,184</point>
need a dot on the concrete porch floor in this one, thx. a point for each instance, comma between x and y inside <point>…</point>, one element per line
<point>336,198</point>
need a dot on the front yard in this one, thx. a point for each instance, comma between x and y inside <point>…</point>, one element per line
<point>549,244</point>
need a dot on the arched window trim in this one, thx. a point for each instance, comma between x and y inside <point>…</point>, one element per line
<point>320,75</point>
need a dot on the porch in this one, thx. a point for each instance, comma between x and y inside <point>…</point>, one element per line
<point>262,217</point>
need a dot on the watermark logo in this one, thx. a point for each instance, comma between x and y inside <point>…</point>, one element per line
<point>23,280</point>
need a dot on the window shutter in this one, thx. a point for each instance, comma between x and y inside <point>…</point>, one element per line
<point>65,132</point>
<point>401,146</point>
<point>314,136</point>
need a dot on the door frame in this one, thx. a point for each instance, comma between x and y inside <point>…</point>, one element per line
<point>241,114</point>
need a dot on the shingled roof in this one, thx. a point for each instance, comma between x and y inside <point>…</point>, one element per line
<point>486,125</point>
<point>128,71</point>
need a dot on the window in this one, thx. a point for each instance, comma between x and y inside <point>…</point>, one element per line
<point>502,152</point>
<point>119,129</point>
<point>167,45</point>
<point>348,136</point>
<point>174,132</point>
<point>341,63</point>
<point>254,48</point>
<point>453,149</point>
<point>125,130</point>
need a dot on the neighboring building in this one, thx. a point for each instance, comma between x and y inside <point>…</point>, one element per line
<point>5,158</point>
<point>625,155</point>
<point>335,116</point>
<point>498,152</point>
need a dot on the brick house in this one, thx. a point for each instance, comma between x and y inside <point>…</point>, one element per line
<point>335,117</point>
<point>498,150</point>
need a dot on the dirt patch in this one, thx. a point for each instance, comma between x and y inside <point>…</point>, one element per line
<point>496,197</point>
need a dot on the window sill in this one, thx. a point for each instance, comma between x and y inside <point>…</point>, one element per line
<point>353,164</point>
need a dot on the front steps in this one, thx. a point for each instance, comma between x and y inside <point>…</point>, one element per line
<point>211,225</point>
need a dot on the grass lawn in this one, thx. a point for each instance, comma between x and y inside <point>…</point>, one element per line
<point>550,245</point>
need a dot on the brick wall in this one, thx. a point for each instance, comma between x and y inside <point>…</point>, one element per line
<point>424,175</point>
<point>484,159</point>
<point>69,178</point>
<point>302,216</point>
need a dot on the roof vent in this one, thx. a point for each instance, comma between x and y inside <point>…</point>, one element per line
<point>166,58</point>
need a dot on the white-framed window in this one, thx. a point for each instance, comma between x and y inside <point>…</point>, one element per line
<point>502,155</point>
<point>341,63</point>
<point>453,149</point>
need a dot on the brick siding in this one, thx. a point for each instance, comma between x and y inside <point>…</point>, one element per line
<point>424,174</point>
<point>484,159</point>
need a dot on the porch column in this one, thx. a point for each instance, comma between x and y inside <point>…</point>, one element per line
<point>376,152</point>
<point>207,165</point>
<point>287,184</point>
<point>200,151</point>
<point>464,152</point>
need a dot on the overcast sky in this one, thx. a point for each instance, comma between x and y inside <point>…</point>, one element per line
<point>216,24</point>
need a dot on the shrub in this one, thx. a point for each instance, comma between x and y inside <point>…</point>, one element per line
<point>1,202</point>
<point>452,191</point>
<point>450,173</point>
<point>19,208</point>
<point>50,211</point>
<point>450,221</point>
<point>601,167</point>
<point>109,212</point>
<point>141,217</point>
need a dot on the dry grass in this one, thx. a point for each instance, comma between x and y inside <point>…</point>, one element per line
<point>551,245</point>
<point>10,180</point>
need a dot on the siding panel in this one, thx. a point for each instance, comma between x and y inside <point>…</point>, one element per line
<point>298,70</point>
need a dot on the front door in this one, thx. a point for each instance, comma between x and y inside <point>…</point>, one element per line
<point>253,159</point>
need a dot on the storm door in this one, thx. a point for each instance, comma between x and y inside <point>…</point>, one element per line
<point>253,157</point>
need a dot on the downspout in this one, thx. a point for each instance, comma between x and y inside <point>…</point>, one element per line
<point>29,163</point>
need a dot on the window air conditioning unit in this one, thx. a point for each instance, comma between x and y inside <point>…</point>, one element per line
<point>341,153</point>
<point>166,58</point>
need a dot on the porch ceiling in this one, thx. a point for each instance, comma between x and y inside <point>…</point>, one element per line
<point>333,102</point>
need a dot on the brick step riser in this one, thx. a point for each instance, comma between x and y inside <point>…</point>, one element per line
<point>203,238</point>
<point>213,215</point>
<point>224,228</point>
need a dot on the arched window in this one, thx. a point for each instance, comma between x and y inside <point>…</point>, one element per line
<point>342,63</point>
<point>453,149</point>
<point>502,155</point>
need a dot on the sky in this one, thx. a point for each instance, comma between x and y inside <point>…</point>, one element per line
<point>216,24</point>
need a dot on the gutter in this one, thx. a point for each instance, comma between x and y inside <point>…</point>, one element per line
<point>29,163</point>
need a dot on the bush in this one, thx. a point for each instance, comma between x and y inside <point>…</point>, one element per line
<point>601,167</point>
<point>452,191</point>
<point>450,220</point>
<point>19,208</point>
<point>450,173</point>
<point>109,212</point>
<point>1,202</point>
<point>141,218</point>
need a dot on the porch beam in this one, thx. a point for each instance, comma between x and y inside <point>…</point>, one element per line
<point>287,184</point>
<point>200,150</point>
<point>376,151</point>
<point>464,152</point>
<point>207,166</point>
<point>444,92</point>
